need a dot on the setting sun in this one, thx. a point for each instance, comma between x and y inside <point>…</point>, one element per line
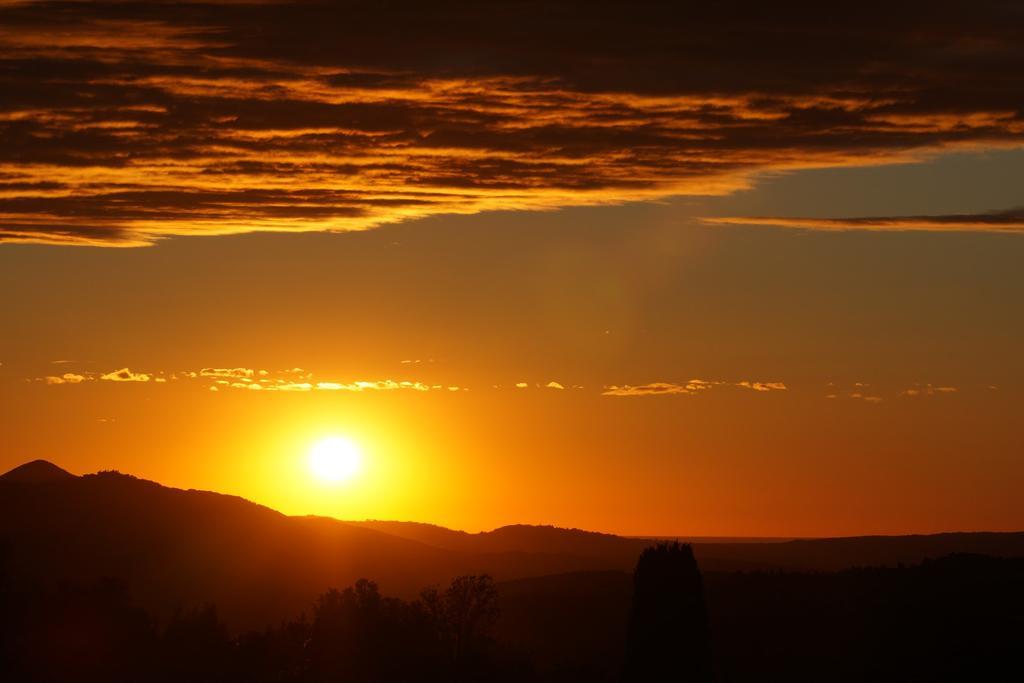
<point>334,459</point>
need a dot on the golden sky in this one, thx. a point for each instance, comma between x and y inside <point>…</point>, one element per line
<point>649,271</point>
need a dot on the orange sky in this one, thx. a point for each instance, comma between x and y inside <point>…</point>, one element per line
<point>667,273</point>
<point>883,381</point>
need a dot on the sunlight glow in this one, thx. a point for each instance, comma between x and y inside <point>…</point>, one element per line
<point>334,459</point>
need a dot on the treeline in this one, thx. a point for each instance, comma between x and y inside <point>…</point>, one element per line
<point>957,618</point>
<point>95,633</point>
<point>954,618</point>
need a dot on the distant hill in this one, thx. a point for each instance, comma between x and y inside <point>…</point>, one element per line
<point>35,472</point>
<point>179,548</point>
<point>182,548</point>
<point>517,538</point>
<point>833,554</point>
<point>610,552</point>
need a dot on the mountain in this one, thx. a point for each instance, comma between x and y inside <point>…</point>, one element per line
<point>182,548</point>
<point>177,548</point>
<point>36,471</point>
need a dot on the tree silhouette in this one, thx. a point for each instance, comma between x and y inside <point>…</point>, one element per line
<point>195,646</point>
<point>463,615</point>
<point>346,632</point>
<point>668,637</point>
<point>274,655</point>
<point>9,609</point>
<point>957,618</point>
<point>86,633</point>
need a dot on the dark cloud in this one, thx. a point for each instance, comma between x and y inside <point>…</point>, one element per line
<point>122,122</point>
<point>1004,221</point>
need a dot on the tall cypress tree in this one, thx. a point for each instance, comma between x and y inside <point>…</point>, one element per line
<point>669,638</point>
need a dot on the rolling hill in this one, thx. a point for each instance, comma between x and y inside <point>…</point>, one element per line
<point>177,548</point>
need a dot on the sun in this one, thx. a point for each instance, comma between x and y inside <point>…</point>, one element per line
<point>334,459</point>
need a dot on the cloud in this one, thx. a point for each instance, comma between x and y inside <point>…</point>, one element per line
<point>285,381</point>
<point>1004,221</point>
<point>928,390</point>
<point>126,375</point>
<point>653,389</point>
<point>870,398</point>
<point>292,386</point>
<point>763,386</point>
<point>658,388</point>
<point>299,380</point>
<point>290,380</point>
<point>858,392</point>
<point>123,123</point>
<point>230,372</point>
<point>377,385</point>
<point>692,387</point>
<point>67,378</point>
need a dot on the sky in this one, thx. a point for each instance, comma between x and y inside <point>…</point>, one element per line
<point>645,269</point>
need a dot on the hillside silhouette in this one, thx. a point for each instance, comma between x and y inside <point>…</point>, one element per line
<point>183,548</point>
<point>608,551</point>
<point>108,577</point>
<point>37,471</point>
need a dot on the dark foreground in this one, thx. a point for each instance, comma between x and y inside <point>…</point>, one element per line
<point>110,578</point>
<point>956,618</point>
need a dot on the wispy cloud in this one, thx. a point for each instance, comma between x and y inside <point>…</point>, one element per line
<point>763,386</point>
<point>928,390</point>
<point>265,381</point>
<point>1004,221</point>
<point>66,378</point>
<point>300,380</point>
<point>859,391</point>
<point>693,386</point>
<point>652,389</point>
<point>232,372</point>
<point>379,385</point>
<point>659,388</point>
<point>126,375</point>
<point>122,123</point>
<point>249,379</point>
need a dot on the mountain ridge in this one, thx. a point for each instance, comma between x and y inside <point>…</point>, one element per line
<point>177,547</point>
